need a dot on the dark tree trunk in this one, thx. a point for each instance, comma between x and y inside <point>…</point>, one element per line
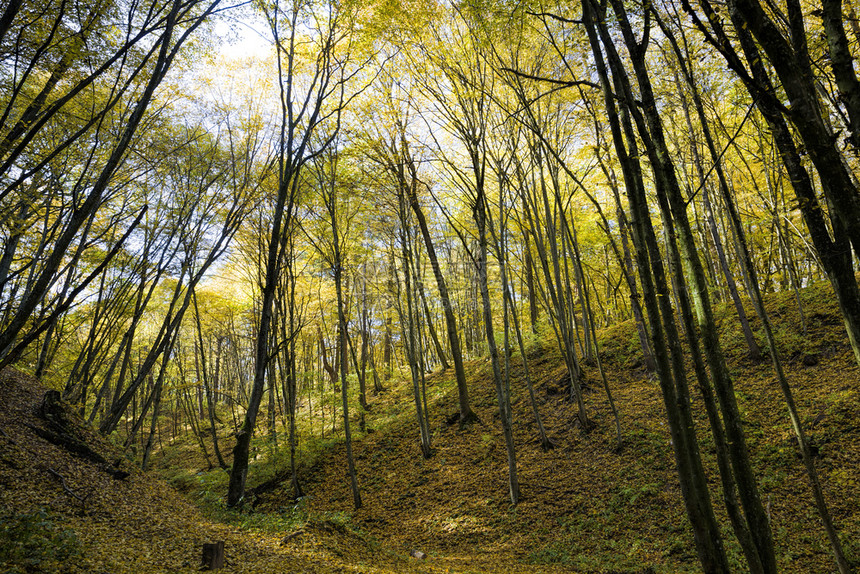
<point>466,414</point>
<point>708,540</point>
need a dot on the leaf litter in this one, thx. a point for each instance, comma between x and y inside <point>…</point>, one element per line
<point>586,506</point>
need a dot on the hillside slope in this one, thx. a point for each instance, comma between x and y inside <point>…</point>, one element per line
<point>586,506</point>
<point>65,511</point>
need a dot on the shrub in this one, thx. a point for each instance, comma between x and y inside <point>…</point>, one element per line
<point>34,542</point>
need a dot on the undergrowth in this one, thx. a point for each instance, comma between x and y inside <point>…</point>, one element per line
<point>630,516</point>
<point>35,542</point>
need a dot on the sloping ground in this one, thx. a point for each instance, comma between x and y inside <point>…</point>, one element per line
<point>586,506</point>
<point>64,512</point>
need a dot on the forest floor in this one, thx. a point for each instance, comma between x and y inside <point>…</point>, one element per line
<point>586,506</point>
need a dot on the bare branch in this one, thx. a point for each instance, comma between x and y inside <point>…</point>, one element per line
<point>566,83</point>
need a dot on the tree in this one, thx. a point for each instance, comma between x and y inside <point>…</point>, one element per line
<point>392,151</point>
<point>312,95</point>
<point>164,29</point>
<point>461,96</point>
<point>325,178</point>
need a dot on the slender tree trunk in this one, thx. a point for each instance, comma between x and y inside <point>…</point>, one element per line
<point>649,261</point>
<point>509,304</point>
<point>530,285</point>
<point>156,411</point>
<point>440,352</point>
<point>752,345</point>
<point>341,317</point>
<point>466,414</point>
<point>502,396</point>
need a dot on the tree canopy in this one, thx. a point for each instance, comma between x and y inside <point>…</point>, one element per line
<point>393,187</point>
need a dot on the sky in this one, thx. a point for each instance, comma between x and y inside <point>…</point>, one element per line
<point>243,34</point>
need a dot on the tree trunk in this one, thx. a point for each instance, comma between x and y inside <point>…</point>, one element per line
<point>466,414</point>
<point>503,398</point>
<point>649,261</point>
<point>341,318</point>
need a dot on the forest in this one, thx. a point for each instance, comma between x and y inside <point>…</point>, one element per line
<point>306,270</point>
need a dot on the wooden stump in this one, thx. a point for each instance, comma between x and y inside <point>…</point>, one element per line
<point>213,556</point>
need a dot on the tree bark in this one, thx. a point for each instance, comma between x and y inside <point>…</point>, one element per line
<point>466,414</point>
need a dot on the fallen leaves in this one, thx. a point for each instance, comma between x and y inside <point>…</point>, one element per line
<point>124,526</point>
<point>585,507</point>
